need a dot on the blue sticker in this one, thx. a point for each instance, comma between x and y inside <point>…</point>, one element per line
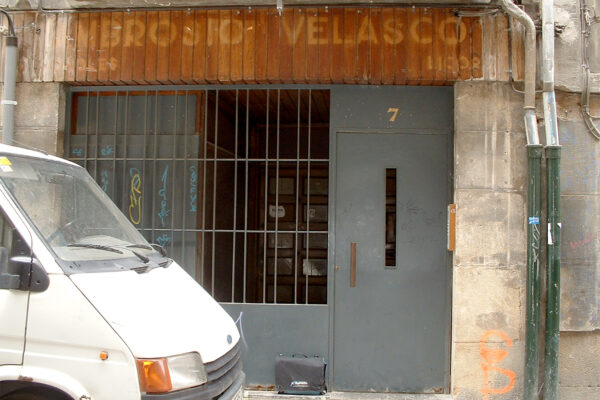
<point>534,220</point>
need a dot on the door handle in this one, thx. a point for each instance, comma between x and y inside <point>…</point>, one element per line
<point>353,264</point>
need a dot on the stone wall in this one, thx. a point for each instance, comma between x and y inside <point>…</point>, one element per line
<point>40,116</point>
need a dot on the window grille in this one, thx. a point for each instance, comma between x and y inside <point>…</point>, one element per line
<point>233,182</point>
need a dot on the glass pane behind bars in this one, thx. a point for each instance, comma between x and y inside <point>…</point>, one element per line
<point>233,183</point>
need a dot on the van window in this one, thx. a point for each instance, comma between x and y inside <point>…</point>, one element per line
<point>72,214</point>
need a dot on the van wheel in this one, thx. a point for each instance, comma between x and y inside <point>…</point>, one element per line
<point>35,394</point>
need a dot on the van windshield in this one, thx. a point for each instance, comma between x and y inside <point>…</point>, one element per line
<point>75,217</point>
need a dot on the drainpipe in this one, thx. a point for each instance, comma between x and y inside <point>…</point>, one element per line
<point>10,80</point>
<point>534,154</point>
<point>553,153</point>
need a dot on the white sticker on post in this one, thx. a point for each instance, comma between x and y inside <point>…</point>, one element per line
<point>550,242</point>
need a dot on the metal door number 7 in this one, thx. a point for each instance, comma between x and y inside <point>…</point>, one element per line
<point>394,111</point>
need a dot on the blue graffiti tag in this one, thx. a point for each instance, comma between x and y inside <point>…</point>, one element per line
<point>106,150</point>
<point>162,193</point>
<point>163,240</point>
<point>193,189</point>
<point>78,152</point>
<point>104,179</point>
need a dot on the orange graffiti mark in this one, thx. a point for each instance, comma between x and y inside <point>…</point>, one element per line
<point>491,357</point>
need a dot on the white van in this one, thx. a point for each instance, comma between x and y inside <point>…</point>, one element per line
<point>89,310</point>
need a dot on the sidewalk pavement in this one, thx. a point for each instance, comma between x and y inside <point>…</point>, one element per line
<point>269,395</point>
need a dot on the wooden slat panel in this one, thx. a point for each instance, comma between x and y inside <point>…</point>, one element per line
<point>139,48</point>
<point>104,48</point>
<point>464,51</point>
<point>249,59</point>
<point>362,39</point>
<point>151,47</point>
<point>82,47</point>
<point>437,62</point>
<point>375,41</point>
<point>237,46</point>
<point>312,43</point>
<point>401,38</point>
<point>337,45</point>
<point>18,19</point>
<point>116,37</point>
<point>367,45</point>
<point>489,58</point>
<point>163,46</point>
<point>285,46</point>
<point>50,37</point>
<point>451,48</point>
<point>477,48</point>
<point>212,45</point>
<point>426,46</point>
<point>187,46</point>
<point>199,64</point>
<point>60,46</point>
<point>518,50</point>
<point>92,55</point>
<point>324,45</point>
<point>39,41</point>
<point>28,40</point>
<point>175,45</point>
<point>413,48</point>
<point>273,50</point>
<point>224,54</point>
<point>70,52</point>
<point>298,36</point>
<point>501,48</point>
<point>127,48</point>
<point>388,47</point>
<point>261,45</point>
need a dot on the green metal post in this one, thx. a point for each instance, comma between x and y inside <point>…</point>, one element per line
<point>553,274</point>
<point>534,153</point>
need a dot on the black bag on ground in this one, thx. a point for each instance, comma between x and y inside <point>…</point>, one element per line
<point>299,374</point>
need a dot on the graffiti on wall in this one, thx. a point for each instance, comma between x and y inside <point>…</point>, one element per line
<point>491,359</point>
<point>162,194</point>
<point>135,196</point>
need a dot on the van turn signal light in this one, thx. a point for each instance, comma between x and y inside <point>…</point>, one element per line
<point>154,375</point>
<point>103,355</point>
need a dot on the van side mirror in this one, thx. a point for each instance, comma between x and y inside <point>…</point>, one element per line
<point>7,280</point>
<point>33,276</point>
<point>27,274</point>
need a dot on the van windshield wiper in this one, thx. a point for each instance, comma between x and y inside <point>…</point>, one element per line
<point>140,246</point>
<point>95,246</point>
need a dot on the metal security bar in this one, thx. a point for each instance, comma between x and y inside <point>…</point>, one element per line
<point>232,181</point>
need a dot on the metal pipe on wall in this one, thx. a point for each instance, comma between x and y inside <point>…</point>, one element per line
<point>553,154</point>
<point>534,152</point>
<point>9,101</point>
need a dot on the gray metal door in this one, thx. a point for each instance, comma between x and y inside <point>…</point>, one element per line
<point>392,318</point>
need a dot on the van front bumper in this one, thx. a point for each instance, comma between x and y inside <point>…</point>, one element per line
<point>234,392</point>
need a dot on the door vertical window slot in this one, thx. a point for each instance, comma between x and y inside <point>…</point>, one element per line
<point>390,217</point>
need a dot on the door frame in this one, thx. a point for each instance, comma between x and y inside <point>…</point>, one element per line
<point>334,131</point>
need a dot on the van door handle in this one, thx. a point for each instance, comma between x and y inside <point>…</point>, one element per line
<point>353,264</point>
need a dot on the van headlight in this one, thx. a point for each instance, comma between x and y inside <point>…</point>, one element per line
<point>159,375</point>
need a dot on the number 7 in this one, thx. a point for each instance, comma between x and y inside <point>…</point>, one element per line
<point>393,110</point>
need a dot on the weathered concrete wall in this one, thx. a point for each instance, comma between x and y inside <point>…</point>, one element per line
<point>491,255</point>
<point>579,362</point>
<point>40,116</point>
<point>568,49</point>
